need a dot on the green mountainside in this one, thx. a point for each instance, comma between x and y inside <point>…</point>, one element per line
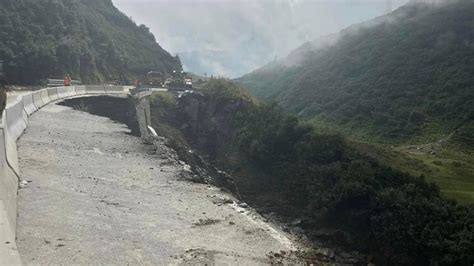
<point>329,185</point>
<point>90,39</point>
<point>407,77</point>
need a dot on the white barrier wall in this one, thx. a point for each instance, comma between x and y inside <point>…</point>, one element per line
<point>28,104</point>
<point>80,90</point>
<point>53,94</point>
<point>8,196</point>
<point>37,100</point>
<point>45,96</point>
<point>13,122</point>
<point>95,89</point>
<point>62,92</point>
<point>113,89</point>
<point>70,91</point>
<point>15,118</point>
<point>9,180</point>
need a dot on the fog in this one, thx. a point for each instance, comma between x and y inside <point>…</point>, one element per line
<point>230,38</point>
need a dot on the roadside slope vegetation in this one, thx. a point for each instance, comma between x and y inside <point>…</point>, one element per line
<point>404,77</point>
<point>283,166</point>
<point>89,39</point>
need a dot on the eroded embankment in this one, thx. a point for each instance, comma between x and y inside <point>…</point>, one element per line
<point>119,109</point>
<point>203,129</point>
<point>95,194</point>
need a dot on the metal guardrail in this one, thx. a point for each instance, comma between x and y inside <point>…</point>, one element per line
<point>60,82</point>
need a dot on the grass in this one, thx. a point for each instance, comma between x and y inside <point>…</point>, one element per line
<point>445,159</point>
<point>451,168</point>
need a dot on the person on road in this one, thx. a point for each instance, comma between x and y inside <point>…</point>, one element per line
<point>67,80</point>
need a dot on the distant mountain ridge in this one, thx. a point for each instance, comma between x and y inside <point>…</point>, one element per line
<point>406,76</point>
<point>90,39</point>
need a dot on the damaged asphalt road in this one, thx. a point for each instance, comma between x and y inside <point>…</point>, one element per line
<point>95,195</point>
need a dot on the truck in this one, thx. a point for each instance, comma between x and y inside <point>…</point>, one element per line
<point>154,79</point>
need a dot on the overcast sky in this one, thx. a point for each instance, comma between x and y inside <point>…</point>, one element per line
<point>219,32</point>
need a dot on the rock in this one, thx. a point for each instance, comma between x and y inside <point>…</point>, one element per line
<point>243,205</point>
<point>221,200</point>
<point>325,253</point>
<point>228,201</point>
<point>297,231</point>
<point>23,183</point>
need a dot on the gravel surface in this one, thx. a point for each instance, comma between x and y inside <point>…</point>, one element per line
<point>93,194</point>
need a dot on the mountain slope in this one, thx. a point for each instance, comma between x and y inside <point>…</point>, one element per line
<point>90,39</point>
<point>404,77</point>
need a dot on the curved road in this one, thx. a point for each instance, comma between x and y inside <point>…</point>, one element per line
<point>94,195</point>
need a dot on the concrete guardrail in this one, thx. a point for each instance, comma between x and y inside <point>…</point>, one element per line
<point>13,122</point>
<point>28,104</point>
<point>62,92</point>
<point>95,89</point>
<point>16,118</point>
<point>70,91</point>
<point>53,94</point>
<point>113,89</point>
<point>80,90</point>
<point>45,96</point>
<point>37,100</point>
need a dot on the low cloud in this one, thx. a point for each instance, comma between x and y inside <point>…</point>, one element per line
<point>252,32</point>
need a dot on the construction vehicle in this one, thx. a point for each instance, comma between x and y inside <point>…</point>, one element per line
<point>188,82</point>
<point>154,79</point>
<point>179,81</point>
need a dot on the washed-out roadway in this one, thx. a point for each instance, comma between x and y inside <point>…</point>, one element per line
<point>93,194</point>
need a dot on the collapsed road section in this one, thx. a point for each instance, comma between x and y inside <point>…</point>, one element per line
<point>91,192</point>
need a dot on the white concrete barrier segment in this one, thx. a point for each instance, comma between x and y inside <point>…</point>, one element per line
<point>45,96</point>
<point>15,119</point>
<point>92,89</point>
<point>70,91</point>
<point>24,114</point>
<point>8,180</point>
<point>113,89</point>
<point>10,150</point>
<point>8,251</point>
<point>53,94</point>
<point>80,89</point>
<point>62,92</point>
<point>28,104</point>
<point>9,174</point>
<point>37,99</point>
<point>8,192</point>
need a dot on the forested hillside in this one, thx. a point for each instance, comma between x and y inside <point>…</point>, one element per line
<point>320,180</point>
<point>90,39</point>
<point>404,77</point>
